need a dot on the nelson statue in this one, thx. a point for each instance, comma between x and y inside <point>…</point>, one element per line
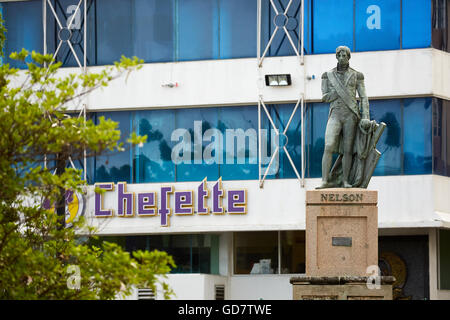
<point>350,132</point>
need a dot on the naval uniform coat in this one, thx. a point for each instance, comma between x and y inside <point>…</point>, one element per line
<point>340,91</point>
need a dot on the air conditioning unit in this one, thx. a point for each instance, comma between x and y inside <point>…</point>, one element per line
<point>146,294</point>
<point>219,290</point>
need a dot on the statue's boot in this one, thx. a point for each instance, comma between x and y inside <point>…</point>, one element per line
<point>346,185</point>
<point>325,185</point>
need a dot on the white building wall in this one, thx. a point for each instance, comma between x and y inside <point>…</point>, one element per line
<point>194,286</point>
<point>239,81</point>
<point>441,199</point>
<point>261,287</point>
<point>441,74</point>
<point>388,74</point>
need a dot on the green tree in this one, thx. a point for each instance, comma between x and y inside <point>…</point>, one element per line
<point>40,258</point>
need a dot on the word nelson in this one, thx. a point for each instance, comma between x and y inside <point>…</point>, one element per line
<point>184,202</point>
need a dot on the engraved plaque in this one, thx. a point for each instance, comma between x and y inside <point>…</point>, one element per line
<point>341,241</point>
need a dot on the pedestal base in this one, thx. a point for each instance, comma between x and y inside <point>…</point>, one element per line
<point>341,232</point>
<point>341,288</point>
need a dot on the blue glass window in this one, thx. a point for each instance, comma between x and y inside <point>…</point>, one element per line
<point>281,45</point>
<point>332,25</point>
<point>116,166</point>
<point>441,132</point>
<point>153,31</point>
<point>191,144</point>
<point>280,115</point>
<point>416,24</point>
<point>23,21</point>
<point>239,126</point>
<point>142,28</point>
<point>202,127</point>
<point>153,161</point>
<point>114,30</point>
<point>317,117</point>
<point>294,140</point>
<point>307,27</point>
<point>192,253</point>
<point>237,29</point>
<point>377,25</point>
<point>66,11</point>
<point>197,30</point>
<point>390,143</point>
<point>417,136</point>
<point>90,160</point>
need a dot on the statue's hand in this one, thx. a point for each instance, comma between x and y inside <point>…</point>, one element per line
<point>332,95</point>
<point>365,123</point>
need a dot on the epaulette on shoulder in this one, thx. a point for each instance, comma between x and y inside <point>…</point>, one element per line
<point>359,76</point>
<point>324,75</point>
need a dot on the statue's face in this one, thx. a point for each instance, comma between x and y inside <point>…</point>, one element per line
<point>342,57</point>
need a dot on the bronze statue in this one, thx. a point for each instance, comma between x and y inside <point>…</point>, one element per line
<point>349,132</point>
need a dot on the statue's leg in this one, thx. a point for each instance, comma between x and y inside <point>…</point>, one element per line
<point>332,132</point>
<point>349,131</point>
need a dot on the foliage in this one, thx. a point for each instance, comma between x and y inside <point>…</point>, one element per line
<point>38,134</point>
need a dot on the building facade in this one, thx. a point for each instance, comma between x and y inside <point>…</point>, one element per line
<point>229,97</point>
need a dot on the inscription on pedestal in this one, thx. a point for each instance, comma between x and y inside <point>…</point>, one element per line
<point>342,196</point>
<point>341,241</point>
<point>346,197</point>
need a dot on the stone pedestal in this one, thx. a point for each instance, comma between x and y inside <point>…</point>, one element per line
<point>341,247</point>
<point>341,288</point>
<point>341,232</point>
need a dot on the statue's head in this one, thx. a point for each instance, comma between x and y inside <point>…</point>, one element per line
<point>343,54</point>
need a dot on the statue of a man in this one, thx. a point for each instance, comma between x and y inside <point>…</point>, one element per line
<point>346,117</point>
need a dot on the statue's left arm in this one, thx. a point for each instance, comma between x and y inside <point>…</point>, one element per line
<point>363,96</point>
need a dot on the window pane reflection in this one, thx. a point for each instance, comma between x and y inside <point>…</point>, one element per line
<point>142,28</point>
<point>416,24</point>
<point>239,126</point>
<point>377,25</point>
<point>198,30</point>
<point>222,142</point>
<point>255,252</point>
<point>23,20</point>
<point>202,144</point>
<point>317,117</point>
<point>332,25</point>
<point>280,115</point>
<point>154,162</point>
<point>281,46</point>
<point>179,30</point>
<point>237,36</point>
<point>192,253</point>
<point>115,166</point>
<point>390,143</point>
<point>65,11</point>
<point>441,130</point>
<point>417,136</point>
<point>293,252</point>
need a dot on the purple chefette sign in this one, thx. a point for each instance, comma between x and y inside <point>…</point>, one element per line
<point>185,202</point>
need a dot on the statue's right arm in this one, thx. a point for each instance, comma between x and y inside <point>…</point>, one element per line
<point>328,94</point>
